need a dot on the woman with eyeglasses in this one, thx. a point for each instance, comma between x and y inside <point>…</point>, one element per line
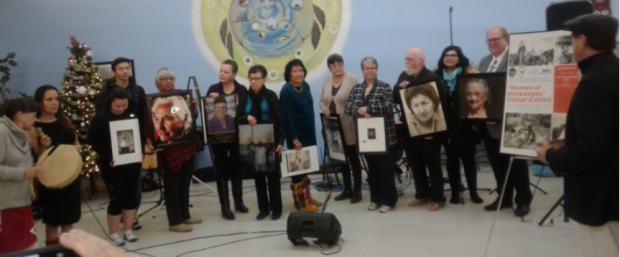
<point>336,90</point>
<point>461,144</point>
<point>262,105</point>
<point>298,111</point>
<point>227,154</point>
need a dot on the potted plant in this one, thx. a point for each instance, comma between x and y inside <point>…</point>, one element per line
<point>5,68</point>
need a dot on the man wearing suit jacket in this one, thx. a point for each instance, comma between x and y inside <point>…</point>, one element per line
<point>589,159</point>
<point>497,61</point>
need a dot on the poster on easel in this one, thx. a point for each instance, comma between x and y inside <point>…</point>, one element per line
<point>542,78</point>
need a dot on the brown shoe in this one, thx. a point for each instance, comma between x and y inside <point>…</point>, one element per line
<point>181,228</point>
<point>193,221</point>
<point>418,202</point>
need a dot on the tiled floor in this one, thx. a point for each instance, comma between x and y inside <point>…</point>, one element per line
<point>456,230</point>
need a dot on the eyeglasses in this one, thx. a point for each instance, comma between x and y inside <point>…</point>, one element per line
<point>255,79</point>
<point>411,59</point>
<point>493,40</point>
<point>451,56</point>
<point>166,79</point>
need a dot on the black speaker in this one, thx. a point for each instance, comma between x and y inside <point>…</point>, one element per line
<point>322,226</point>
<point>558,13</point>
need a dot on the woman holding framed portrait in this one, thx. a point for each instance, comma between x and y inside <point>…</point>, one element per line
<point>298,112</point>
<point>336,90</point>
<point>120,180</point>
<point>374,97</point>
<point>227,154</point>
<point>462,140</point>
<point>176,163</point>
<point>262,105</point>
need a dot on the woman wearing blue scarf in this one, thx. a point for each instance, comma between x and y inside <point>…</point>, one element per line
<point>463,139</point>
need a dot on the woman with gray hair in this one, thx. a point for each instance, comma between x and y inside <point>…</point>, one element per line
<point>336,90</point>
<point>176,164</point>
<point>374,97</point>
<point>477,96</point>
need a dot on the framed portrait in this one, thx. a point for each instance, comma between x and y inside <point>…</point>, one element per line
<point>371,134</point>
<point>423,110</point>
<point>481,96</point>
<point>257,148</point>
<point>105,71</point>
<point>218,118</point>
<point>172,118</point>
<point>300,162</point>
<point>126,143</point>
<point>334,138</point>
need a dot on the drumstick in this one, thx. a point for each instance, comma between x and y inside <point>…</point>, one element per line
<point>48,155</point>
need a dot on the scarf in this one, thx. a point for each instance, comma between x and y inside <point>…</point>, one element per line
<point>450,78</point>
<point>257,100</point>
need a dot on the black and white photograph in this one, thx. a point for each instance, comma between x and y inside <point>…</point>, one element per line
<point>534,52</point>
<point>371,135</point>
<point>423,110</point>
<point>558,126</point>
<point>126,141</point>
<point>172,118</point>
<point>482,96</point>
<point>218,118</point>
<point>334,138</point>
<point>257,148</point>
<point>299,162</point>
<point>526,130</point>
<point>563,51</point>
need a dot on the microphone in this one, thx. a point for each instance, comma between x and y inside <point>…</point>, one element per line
<point>39,132</point>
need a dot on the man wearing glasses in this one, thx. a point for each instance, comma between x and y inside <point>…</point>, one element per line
<point>497,61</point>
<point>422,152</point>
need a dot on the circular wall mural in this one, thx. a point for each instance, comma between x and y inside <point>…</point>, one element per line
<point>271,32</point>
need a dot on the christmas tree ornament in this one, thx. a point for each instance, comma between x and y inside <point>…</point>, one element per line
<point>81,90</point>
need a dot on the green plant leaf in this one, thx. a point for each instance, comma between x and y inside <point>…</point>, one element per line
<point>10,55</point>
<point>12,63</point>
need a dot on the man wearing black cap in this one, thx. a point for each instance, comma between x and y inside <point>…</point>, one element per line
<point>589,159</point>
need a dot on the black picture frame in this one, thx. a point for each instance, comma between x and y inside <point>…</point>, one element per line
<point>429,91</point>
<point>213,133</point>
<point>179,109</point>
<point>375,144</point>
<point>333,137</point>
<point>247,135</point>
<point>493,100</point>
<point>105,71</point>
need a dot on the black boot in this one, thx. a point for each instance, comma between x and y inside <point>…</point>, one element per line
<point>472,184</point>
<point>222,191</point>
<point>237,187</point>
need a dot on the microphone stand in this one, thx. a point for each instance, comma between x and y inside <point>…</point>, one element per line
<point>450,12</point>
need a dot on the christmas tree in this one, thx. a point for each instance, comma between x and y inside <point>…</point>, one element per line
<point>81,84</point>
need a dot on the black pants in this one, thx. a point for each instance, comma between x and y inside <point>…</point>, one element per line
<point>423,154</point>
<point>356,168</point>
<point>519,179</point>
<point>176,192</point>
<point>121,182</point>
<point>381,178</point>
<point>268,192</point>
<point>467,153</point>
<point>226,159</point>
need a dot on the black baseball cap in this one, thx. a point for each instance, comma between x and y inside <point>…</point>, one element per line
<point>594,26</point>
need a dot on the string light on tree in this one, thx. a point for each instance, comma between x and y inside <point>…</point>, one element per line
<point>81,86</point>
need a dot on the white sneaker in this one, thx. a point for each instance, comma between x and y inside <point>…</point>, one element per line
<point>117,240</point>
<point>373,207</point>
<point>385,209</point>
<point>129,236</point>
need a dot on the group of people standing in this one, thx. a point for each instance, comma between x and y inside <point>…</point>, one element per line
<point>293,117</point>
